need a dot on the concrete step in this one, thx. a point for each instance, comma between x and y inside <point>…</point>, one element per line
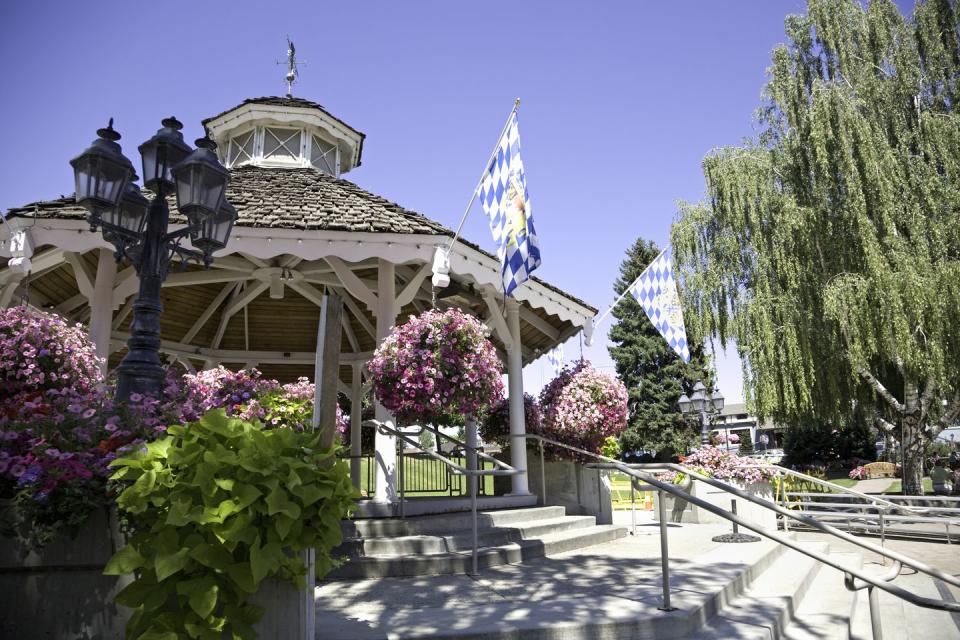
<point>445,523</point>
<point>460,541</point>
<point>459,562</point>
<point>827,612</point>
<point>768,605</point>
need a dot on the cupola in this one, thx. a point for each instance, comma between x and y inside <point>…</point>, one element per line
<point>285,132</point>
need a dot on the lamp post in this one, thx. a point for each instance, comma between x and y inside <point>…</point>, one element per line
<point>702,402</point>
<point>138,228</point>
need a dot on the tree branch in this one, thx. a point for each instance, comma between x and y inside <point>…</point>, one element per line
<point>927,396</point>
<point>882,391</point>
<point>883,425</point>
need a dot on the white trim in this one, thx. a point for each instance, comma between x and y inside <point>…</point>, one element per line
<point>351,247</point>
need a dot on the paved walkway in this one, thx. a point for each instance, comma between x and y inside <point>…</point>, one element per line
<point>873,485</point>
<point>595,583</point>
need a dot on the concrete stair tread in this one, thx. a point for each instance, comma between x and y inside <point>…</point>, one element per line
<point>460,561</point>
<point>447,522</point>
<point>826,612</point>
<point>765,609</point>
<point>461,539</point>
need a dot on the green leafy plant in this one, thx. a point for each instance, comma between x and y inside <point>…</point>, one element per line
<point>217,506</point>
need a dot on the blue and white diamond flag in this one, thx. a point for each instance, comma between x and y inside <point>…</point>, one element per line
<point>555,358</point>
<point>656,291</point>
<point>504,197</point>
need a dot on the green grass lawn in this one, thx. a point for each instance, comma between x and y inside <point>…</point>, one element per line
<point>421,476</point>
<point>896,486</point>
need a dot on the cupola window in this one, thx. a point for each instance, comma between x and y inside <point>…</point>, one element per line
<point>323,155</point>
<point>281,144</point>
<point>241,149</point>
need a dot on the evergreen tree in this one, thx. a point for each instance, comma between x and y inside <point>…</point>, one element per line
<point>746,443</point>
<point>829,247</point>
<point>653,373</point>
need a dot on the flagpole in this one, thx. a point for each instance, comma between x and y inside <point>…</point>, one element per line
<point>627,290</point>
<point>473,196</point>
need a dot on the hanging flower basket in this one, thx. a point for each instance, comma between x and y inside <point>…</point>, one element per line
<point>496,424</point>
<point>582,407</point>
<point>437,367</point>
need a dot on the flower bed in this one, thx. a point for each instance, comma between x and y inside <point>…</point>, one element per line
<point>438,367</point>
<point>722,465</point>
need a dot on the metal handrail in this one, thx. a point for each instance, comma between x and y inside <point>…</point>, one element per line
<point>871,582</point>
<point>472,474</point>
<point>836,487</point>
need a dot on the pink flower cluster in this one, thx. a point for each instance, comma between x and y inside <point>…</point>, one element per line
<point>40,351</point>
<point>723,465</point>
<point>583,407</point>
<point>496,425</point>
<point>437,366</point>
<point>859,473</point>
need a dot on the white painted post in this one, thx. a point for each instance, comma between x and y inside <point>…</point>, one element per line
<point>356,419</point>
<point>518,429</point>
<point>386,447</point>
<point>101,306</point>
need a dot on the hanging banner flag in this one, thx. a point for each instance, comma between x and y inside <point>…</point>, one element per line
<point>656,291</point>
<point>503,194</point>
<point>555,358</point>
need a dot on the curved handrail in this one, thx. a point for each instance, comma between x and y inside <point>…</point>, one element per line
<point>633,470</point>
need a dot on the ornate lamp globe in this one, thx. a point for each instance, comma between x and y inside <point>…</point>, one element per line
<point>213,232</point>
<point>684,403</point>
<point>717,399</point>
<point>160,153</point>
<point>101,174</point>
<point>129,217</point>
<point>201,183</point>
<point>699,398</point>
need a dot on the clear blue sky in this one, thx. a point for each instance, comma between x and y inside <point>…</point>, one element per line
<point>620,101</point>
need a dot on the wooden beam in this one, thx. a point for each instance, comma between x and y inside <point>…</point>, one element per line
<point>413,285</point>
<point>254,260</point>
<point>309,292</point>
<point>67,306</point>
<point>245,298</point>
<point>211,308</point>
<point>234,263</point>
<point>327,370</point>
<point>539,324</point>
<point>352,283</point>
<point>83,275</point>
<point>496,320</point>
<point>124,285</point>
<point>358,314</point>
<point>121,315</point>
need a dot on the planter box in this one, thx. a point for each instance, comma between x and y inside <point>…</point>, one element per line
<point>682,511</point>
<point>60,592</point>
<point>289,612</point>
<point>569,484</point>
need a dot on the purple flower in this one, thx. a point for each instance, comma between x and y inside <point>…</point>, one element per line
<point>53,452</point>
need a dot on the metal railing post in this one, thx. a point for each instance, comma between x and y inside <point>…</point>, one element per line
<point>403,502</point>
<point>875,623</point>
<point>633,507</point>
<point>473,507</point>
<point>664,552</point>
<point>783,498</point>
<point>883,533</point>
<point>543,475</point>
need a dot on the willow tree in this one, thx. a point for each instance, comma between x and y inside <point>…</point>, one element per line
<point>829,246</point>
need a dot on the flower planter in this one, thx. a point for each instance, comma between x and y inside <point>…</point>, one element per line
<point>288,612</point>
<point>679,510</point>
<point>59,591</point>
<point>569,484</point>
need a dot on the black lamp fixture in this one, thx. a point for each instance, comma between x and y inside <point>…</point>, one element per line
<point>700,403</point>
<point>138,228</point>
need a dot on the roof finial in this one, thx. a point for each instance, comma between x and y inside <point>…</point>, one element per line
<point>292,73</point>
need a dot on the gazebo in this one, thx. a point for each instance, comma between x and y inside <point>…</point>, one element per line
<point>301,230</point>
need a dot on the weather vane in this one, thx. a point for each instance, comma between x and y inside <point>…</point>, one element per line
<point>292,73</point>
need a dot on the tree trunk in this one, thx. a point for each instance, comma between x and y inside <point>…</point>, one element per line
<point>912,443</point>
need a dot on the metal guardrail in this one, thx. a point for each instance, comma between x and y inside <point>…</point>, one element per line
<point>646,473</point>
<point>500,468</point>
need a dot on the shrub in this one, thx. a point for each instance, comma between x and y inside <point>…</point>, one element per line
<point>496,424</point>
<point>217,506</point>
<point>582,407</point>
<point>437,368</point>
<point>746,443</point>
